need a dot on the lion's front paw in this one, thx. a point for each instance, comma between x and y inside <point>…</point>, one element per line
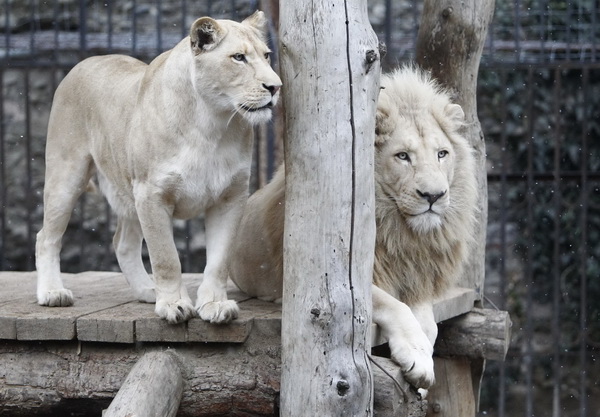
<point>175,312</point>
<point>415,357</point>
<point>56,298</point>
<point>218,311</point>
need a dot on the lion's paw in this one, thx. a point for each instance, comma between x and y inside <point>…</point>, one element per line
<point>218,311</point>
<point>56,298</point>
<point>415,357</point>
<point>175,312</point>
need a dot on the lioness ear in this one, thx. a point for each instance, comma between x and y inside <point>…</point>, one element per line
<point>205,34</point>
<point>258,21</point>
<point>455,114</point>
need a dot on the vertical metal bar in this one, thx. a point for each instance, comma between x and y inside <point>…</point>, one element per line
<point>134,28</point>
<point>517,30</point>
<point>6,29</point>
<point>503,224</point>
<point>583,289</point>
<point>543,20</point>
<point>28,181</point>
<point>556,293</point>
<point>32,26</point>
<point>528,358</point>
<point>568,30</point>
<point>55,29</point>
<point>184,12</point>
<point>159,26</point>
<point>109,11</point>
<point>82,27</point>
<point>387,22</point>
<point>3,193</point>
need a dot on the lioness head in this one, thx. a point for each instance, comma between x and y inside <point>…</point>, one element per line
<point>418,149</point>
<point>232,66</point>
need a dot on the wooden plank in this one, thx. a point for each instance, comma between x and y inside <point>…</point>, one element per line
<point>153,388</point>
<point>452,394</point>
<point>455,302</point>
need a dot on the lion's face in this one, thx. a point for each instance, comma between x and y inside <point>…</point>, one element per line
<point>232,65</point>
<point>415,159</point>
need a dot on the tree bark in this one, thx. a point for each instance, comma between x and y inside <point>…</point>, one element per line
<point>449,44</point>
<point>330,71</point>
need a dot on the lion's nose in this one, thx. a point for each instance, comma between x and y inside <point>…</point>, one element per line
<point>430,197</point>
<point>272,88</point>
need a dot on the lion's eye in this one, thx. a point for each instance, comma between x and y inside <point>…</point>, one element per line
<point>403,156</point>
<point>442,154</point>
<point>239,57</point>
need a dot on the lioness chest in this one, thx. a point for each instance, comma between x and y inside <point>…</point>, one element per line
<point>198,177</point>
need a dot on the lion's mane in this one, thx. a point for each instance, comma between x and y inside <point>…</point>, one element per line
<point>409,265</point>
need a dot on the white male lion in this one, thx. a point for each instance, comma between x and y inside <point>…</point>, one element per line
<point>166,140</point>
<point>425,205</point>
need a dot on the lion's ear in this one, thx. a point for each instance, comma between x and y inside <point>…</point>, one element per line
<point>383,122</point>
<point>205,34</point>
<point>258,21</point>
<point>455,114</point>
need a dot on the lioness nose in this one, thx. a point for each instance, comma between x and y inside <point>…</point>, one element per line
<point>431,198</point>
<point>272,88</point>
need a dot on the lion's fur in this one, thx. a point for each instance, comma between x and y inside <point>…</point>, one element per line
<point>410,265</point>
<point>168,139</point>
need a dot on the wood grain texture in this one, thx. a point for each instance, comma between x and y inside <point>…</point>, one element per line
<point>153,388</point>
<point>479,334</point>
<point>330,71</point>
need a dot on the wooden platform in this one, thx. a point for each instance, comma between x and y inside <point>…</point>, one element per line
<point>105,311</point>
<point>56,359</point>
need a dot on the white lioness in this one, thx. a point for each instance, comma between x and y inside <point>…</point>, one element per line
<point>166,140</point>
<point>425,205</point>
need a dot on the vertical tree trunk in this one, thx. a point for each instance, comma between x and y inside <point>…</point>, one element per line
<point>449,44</point>
<point>330,71</point>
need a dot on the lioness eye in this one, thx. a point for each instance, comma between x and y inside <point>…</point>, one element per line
<point>403,156</point>
<point>442,154</point>
<point>239,57</point>
<point>268,55</point>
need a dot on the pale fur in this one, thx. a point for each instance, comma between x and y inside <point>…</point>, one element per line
<point>166,140</point>
<point>416,259</point>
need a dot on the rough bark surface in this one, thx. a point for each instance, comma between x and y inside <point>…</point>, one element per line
<point>330,71</point>
<point>449,44</point>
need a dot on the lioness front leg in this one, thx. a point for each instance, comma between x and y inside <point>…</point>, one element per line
<point>221,223</point>
<point>172,300</point>
<point>409,345</point>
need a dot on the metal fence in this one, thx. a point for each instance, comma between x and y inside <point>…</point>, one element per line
<point>539,103</point>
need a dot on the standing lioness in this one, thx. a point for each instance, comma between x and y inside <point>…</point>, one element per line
<point>166,140</point>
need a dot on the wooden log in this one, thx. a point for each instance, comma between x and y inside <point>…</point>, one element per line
<point>153,388</point>
<point>479,334</point>
<point>449,44</point>
<point>452,394</point>
<point>393,395</point>
<point>330,70</point>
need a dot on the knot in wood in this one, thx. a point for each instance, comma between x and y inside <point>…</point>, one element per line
<point>447,12</point>
<point>342,387</point>
<point>436,407</point>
